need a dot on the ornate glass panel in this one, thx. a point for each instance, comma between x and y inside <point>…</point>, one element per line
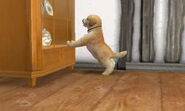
<point>46,38</point>
<point>48,7</point>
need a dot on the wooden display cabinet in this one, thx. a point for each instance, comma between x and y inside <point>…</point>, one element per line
<point>22,53</point>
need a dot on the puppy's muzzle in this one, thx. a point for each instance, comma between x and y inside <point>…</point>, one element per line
<point>84,22</point>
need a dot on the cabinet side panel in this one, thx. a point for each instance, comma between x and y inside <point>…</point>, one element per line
<point>14,35</point>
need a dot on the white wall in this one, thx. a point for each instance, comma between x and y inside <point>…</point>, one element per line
<point>110,12</point>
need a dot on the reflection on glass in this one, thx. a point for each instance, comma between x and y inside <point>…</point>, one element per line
<point>43,8</point>
<point>48,7</point>
<point>46,38</point>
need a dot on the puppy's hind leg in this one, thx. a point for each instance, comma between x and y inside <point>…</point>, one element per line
<point>109,64</point>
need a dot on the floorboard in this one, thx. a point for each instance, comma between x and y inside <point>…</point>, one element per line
<point>8,84</point>
<point>83,95</point>
<point>135,91</point>
<point>88,90</point>
<point>173,93</point>
<point>25,97</point>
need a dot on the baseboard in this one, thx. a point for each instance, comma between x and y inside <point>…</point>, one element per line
<point>156,67</point>
<point>89,65</point>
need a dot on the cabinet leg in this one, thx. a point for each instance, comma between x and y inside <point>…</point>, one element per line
<point>32,81</point>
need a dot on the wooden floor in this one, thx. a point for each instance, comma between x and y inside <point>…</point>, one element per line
<point>88,90</point>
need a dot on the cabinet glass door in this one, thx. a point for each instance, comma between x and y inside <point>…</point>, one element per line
<point>47,23</point>
<point>54,22</point>
<point>60,21</point>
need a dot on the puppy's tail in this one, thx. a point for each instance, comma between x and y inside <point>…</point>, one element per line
<point>119,54</point>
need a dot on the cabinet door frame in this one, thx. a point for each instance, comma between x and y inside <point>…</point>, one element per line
<point>35,35</point>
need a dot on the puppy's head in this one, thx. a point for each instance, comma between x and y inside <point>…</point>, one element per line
<point>92,20</point>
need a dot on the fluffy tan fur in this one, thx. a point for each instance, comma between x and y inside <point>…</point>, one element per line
<point>94,41</point>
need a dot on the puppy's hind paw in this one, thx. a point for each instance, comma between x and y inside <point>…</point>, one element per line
<point>106,73</point>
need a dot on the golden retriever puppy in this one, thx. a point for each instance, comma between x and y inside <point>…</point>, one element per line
<point>94,41</point>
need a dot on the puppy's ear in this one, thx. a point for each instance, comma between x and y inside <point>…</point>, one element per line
<point>92,22</point>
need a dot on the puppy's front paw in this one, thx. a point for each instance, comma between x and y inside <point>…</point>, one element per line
<point>70,43</point>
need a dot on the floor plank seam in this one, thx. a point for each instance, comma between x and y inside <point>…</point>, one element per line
<point>52,94</point>
<point>161,93</point>
<point>17,87</point>
<point>57,109</point>
<point>106,94</point>
<point>6,92</point>
<point>88,91</point>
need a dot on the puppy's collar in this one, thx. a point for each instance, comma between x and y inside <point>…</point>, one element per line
<point>94,28</point>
